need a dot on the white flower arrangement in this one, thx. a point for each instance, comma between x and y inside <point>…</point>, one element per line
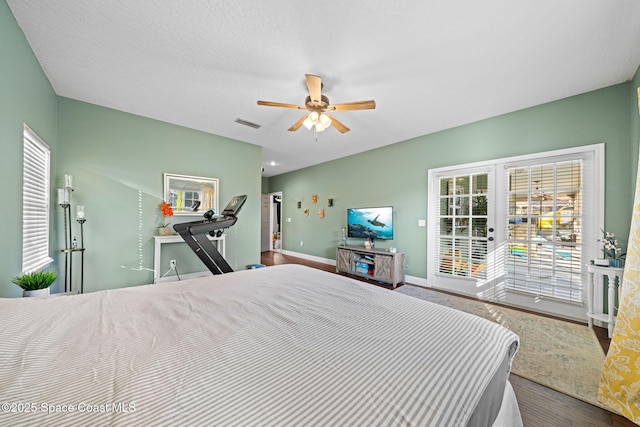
<point>610,245</point>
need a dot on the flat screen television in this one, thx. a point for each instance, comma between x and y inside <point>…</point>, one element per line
<point>370,223</point>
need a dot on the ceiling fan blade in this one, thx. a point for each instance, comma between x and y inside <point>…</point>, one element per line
<point>358,105</point>
<point>340,127</point>
<point>314,83</point>
<point>297,124</point>
<point>280,104</point>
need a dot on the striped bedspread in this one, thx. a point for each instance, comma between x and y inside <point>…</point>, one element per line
<point>277,346</point>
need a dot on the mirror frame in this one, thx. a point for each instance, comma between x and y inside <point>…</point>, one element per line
<point>174,184</point>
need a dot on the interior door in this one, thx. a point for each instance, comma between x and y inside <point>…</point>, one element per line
<point>462,229</point>
<point>265,218</point>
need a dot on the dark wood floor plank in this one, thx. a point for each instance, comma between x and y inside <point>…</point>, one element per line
<point>540,406</point>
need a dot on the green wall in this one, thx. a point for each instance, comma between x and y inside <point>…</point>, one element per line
<point>635,126</point>
<point>25,97</point>
<point>118,159</point>
<point>397,174</point>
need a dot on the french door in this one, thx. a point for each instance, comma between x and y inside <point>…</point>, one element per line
<point>464,228</point>
<point>518,230</point>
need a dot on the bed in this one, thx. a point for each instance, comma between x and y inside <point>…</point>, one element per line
<point>278,346</point>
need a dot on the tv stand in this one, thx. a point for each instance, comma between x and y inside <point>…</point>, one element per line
<point>376,264</point>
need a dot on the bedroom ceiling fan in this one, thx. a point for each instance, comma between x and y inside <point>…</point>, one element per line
<point>318,106</point>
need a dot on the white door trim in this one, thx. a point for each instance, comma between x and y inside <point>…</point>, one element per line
<point>271,221</point>
<point>596,224</point>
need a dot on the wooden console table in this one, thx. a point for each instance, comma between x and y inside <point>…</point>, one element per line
<point>594,301</point>
<point>376,264</point>
<point>157,250</point>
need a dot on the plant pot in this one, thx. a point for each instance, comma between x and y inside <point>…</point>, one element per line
<point>165,231</point>
<point>615,263</point>
<point>38,293</point>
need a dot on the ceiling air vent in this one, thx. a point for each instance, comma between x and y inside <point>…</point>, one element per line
<point>247,123</point>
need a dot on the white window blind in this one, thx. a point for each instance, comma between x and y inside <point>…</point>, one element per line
<point>546,215</point>
<point>35,202</point>
<point>462,232</point>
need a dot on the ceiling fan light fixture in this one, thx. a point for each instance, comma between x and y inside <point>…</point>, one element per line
<point>308,123</point>
<point>317,104</point>
<point>325,120</point>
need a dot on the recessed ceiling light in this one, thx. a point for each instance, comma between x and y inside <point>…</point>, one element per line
<point>273,163</point>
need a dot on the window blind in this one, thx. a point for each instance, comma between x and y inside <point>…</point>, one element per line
<point>35,202</point>
<point>461,234</point>
<point>545,222</point>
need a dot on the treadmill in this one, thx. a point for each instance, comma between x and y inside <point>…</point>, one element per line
<point>195,234</point>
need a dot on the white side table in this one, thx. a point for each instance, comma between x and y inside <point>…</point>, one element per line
<point>160,240</point>
<point>594,301</point>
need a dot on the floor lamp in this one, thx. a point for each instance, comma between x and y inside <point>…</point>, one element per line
<point>71,245</point>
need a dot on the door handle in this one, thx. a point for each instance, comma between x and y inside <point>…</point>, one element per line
<point>490,239</point>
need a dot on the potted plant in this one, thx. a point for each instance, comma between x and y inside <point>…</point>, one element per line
<point>610,247</point>
<point>35,284</point>
<point>164,229</point>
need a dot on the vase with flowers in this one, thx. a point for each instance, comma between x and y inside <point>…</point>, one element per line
<point>164,229</point>
<point>611,248</point>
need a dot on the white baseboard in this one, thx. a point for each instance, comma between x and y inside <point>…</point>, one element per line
<point>310,257</point>
<point>414,280</point>
<point>174,278</point>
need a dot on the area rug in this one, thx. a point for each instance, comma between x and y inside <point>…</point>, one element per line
<point>564,356</point>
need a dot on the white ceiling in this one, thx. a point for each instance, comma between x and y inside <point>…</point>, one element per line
<point>429,65</point>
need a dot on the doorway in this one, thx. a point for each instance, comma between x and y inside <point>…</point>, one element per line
<point>275,221</point>
<point>265,220</point>
<point>518,230</point>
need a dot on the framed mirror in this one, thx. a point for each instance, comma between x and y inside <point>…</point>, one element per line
<point>190,195</point>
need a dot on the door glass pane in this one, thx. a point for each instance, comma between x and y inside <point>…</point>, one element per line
<point>544,233</point>
<point>462,185</point>
<point>479,205</point>
<point>446,227</point>
<point>445,205</point>
<point>462,232</point>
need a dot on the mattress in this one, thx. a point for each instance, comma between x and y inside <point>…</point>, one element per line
<point>277,346</point>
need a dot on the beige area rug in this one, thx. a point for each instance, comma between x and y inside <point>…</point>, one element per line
<point>564,356</point>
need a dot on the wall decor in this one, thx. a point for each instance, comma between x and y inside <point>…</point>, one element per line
<point>190,195</point>
<point>299,204</point>
<point>330,202</point>
<point>314,198</point>
<point>306,211</point>
<point>321,213</point>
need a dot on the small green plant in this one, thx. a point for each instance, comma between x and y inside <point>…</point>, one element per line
<point>36,280</point>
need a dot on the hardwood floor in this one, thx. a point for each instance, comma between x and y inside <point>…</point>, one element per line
<point>539,405</point>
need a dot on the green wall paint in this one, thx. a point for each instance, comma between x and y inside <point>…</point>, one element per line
<point>634,113</point>
<point>397,174</point>
<point>118,160</point>
<point>25,97</point>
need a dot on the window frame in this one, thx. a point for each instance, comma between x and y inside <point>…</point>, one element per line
<point>36,203</point>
